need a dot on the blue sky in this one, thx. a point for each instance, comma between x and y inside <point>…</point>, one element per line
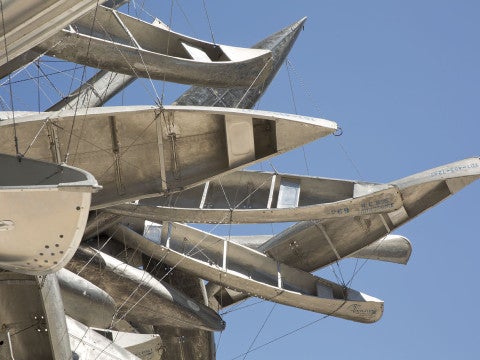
<point>402,79</point>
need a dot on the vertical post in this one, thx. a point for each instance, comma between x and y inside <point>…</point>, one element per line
<point>161,153</point>
<point>166,234</point>
<point>204,195</point>
<point>272,188</point>
<point>225,248</point>
<point>279,276</point>
<point>10,345</point>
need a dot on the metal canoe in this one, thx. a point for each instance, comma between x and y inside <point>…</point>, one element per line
<point>139,296</point>
<point>145,346</point>
<point>87,343</point>
<point>110,40</point>
<point>104,85</point>
<point>84,301</point>
<point>26,23</point>
<point>279,43</point>
<point>257,197</point>
<point>52,199</point>
<point>390,248</point>
<point>310,245</point>
<point>142,151</point>
<point>246,270</point>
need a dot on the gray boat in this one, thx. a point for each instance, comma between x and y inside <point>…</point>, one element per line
<point>142,151</point>
<point>109,40</point>
<point>260,197</point>
<point>52,199</point>
<point>140,297</point>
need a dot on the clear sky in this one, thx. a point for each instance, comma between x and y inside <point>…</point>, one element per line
<point>402,79</point>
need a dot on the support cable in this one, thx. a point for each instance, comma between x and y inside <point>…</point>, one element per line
<point>296,112</point>
<point>67,152</point>
<point>208,20</point>
<point>194,250</point>
<point>259,331</point>
<point>291,332</point>
<point>15,138</point>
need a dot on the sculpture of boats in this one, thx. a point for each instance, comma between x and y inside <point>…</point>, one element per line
<point>257,197</point>
<point>52,199</point>
<point>143,151</point>
<point>110,40</point>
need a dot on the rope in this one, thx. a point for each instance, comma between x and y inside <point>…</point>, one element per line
<point>260,330</point>
<point>350,159</point>
<point>295,108</point>
<point>237,306</point>
<point>208,20</point>
<point>365,261</point>
<point>253,82</point>
<point>291,332</point>
<point>67,152</point>
<point>315,105</point>
<point>15,139</point>
<point>305,88</point>
<point>193,251</point>
<point>40,70</point>
<point>63,72</point>
<point>38,85</point>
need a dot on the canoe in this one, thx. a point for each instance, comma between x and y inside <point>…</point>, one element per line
<point>142,151</point>
<point>84,301</point>
<point>44,211</point>
<point>145,346</point>
<point>139,296</point>
<point>89,343</point>
<point>318,244</point>
<point>27,23</point>
<point>109,40</point>
<point>243,269</point>
<point>260,197</point>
